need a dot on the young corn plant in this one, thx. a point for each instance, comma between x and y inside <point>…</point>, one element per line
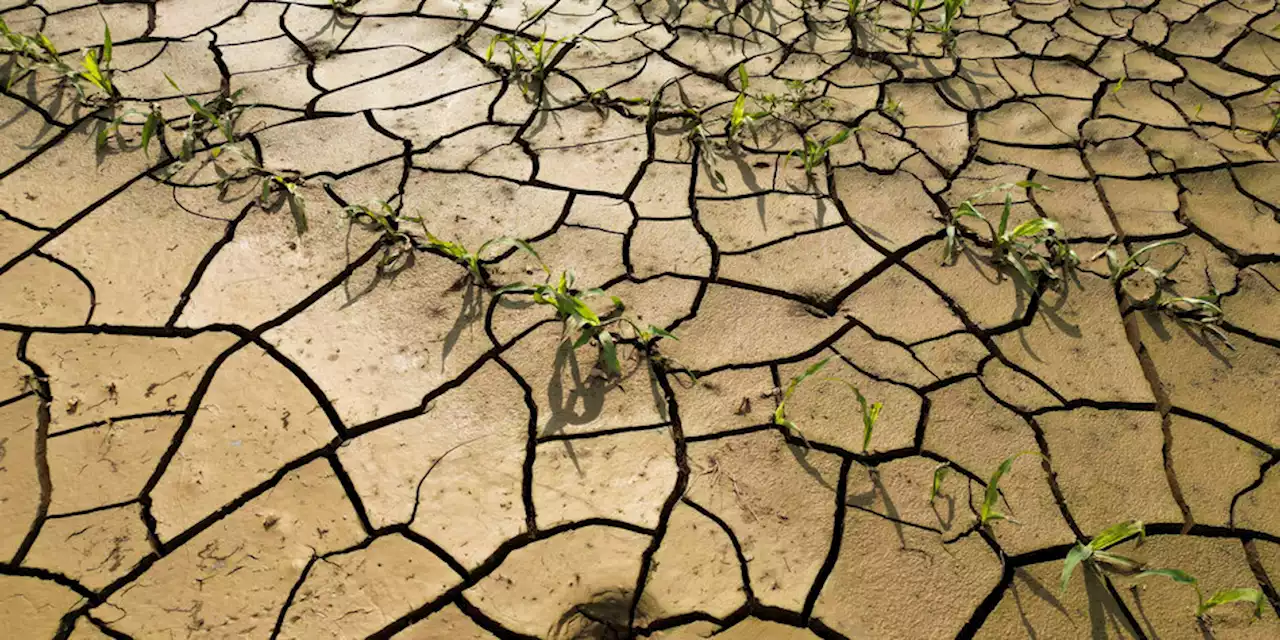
<point>31,53</point>
<point>780,414</point>
<point>914,8</point>
<point>580,321</point>
<point>220,115</point>
<point>1034,249</point>
<point>951,9</point>
<point>815,151</point>
<point>1202,312</point>
<point>1095,556</point>
<point>739,118</point>
<point>529,62</point>
<point>870,410</point>
<point>1203,605</point>
<point>988,514</point>
<point>397,244</point>
<point>400,242</point>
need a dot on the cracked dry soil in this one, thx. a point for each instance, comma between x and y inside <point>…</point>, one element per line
<point>212,426</point>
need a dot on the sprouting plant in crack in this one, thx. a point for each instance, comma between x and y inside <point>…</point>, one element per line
<point>892,107</point>
<point>34,52</point>
<point>400,241</point>
<point>987,513</point>
<point>815,151</point>
<point>780,413</point>
<point>1203,312</point>
<point>1096,557</point>
<point>739,118</point>
<point>1203,605</point>
<point>951,9</point>
<point>914,8</point>
<point>397,244</point>
<point>219,115</point>
<point>698,134</point>
<point>801,99</point>
<point>529,62</point>
<point>1034,249</point>
<point>584,325</point>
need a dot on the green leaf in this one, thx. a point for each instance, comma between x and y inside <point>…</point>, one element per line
<point>1004,214</point>
<point>992,495</point>
<point>610,352</point>
<point>106,43</point>
<point>1233,595</point>
<point>149,130</point>
<point>298,207</point>
<point>1074,557</point>
<point>743,79</point>
<point>660,332</point>
<point>939,474</point>
<point>1177,575</point>
<point>1017,264</point>
<point>1117,533</point>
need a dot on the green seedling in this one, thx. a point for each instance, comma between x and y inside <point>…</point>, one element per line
<point>988,512</point>
<point>1203,312</point>
<point>27,52</point>
<point>940,473</point>
<point>870,411</point>
<point>578,318</point>
<point>800,99</point>
<point>1118,85</point>
<point>1095,555</point>
<point>219,115</point>
<point>892,107</point>
<point>288,185</point>
<point>1139,261</point>
<point>739,118</point>
<point>780,414</point>
<point>1019,247</point>
<point>33,52</point>
<point>951,9</point>
<point>97,65</point>
<point>915,7</point>
<point>154,120</point>
<point>1203,606</point>
<point>815,151</point>
<point>529,62</point>
<point>397,243</point>
<point>459,253</point>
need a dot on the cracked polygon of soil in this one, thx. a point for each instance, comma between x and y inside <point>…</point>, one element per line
<point>212,426</point>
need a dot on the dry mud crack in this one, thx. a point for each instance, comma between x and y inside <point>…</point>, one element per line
<point>214,425</point>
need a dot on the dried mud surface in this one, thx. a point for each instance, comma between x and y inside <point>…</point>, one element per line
<point>212,427</point>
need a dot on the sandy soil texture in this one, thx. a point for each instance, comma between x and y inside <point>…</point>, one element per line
<point>459,319</point>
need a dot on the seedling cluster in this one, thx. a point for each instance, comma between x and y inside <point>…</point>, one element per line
<point>583,325</point>
<point>31,54</point>
<point>529,62</point>
<point>1035,249</point>
<point>1095,556</point>
<point>1202,312</point>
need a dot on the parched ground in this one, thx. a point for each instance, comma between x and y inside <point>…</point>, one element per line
<point>212,426</point>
